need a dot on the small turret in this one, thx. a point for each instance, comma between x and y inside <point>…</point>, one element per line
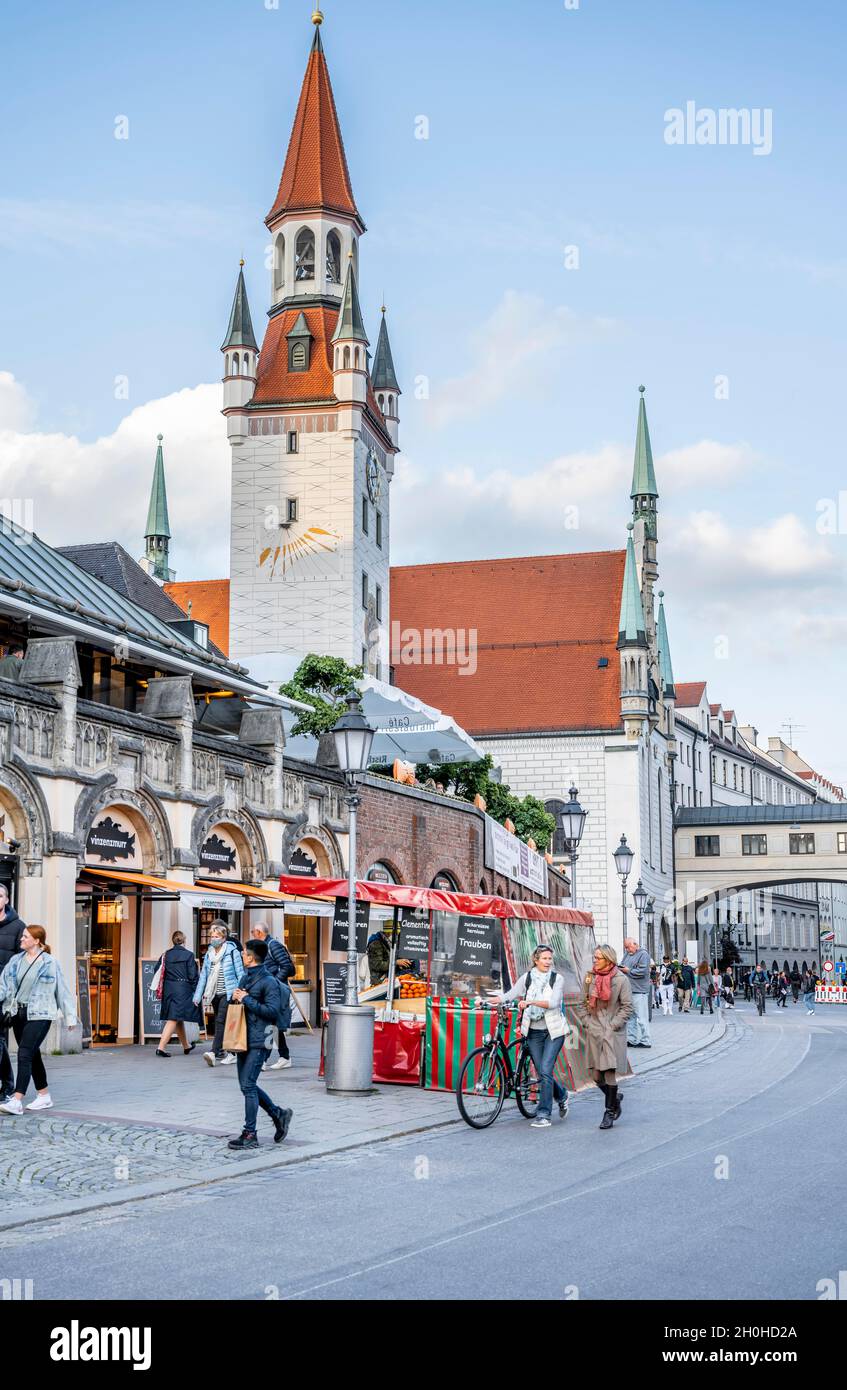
<point>385,384</point>
<point>632,645</point>
<point>157,535</point>
<point>350,346</point>
<point>241,359</point>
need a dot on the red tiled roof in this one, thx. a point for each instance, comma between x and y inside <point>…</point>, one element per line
<point>275,383</point>
<point>689,694</point>
<point>209,599</point>
<point>316,173</point>
<point>543,623</point>
<point>714,709</point>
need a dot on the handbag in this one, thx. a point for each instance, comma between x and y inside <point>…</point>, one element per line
<point>235,1029</point>
<point>157,984</point>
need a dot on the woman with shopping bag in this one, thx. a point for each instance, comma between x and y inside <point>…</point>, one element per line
<point>219,979</point>
<point>540,995</point>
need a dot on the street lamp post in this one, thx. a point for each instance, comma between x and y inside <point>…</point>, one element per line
<point>573,825</point>
<point>350,1033</point>
<point>639,898</point>
<point>623,857</point>
<point>650,919</point>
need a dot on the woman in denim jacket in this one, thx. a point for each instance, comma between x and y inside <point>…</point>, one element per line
<point>219,979</point>
<point>34,992</point>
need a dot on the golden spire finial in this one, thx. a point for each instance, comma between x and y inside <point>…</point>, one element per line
<point>317,17</point>
<point>241,262</point>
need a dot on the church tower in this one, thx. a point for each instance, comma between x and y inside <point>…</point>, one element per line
<point>157,535</point>
<point>313,448</point>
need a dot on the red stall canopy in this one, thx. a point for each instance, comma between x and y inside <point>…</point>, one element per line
<point>433,899</point>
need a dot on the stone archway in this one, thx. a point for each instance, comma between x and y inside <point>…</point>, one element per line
<point>148,819</point>
<point>322,843</point>
<point>245,831</point>
<point>26,817</point>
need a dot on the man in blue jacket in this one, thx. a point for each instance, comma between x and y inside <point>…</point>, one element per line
<point>264,1003</point>
<point>282,967</point>
<point>636,966</point>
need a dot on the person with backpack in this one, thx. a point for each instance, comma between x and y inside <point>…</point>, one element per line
<point>540,995</point>
<point>685,985</point>
<point>219,979</point>
<point>282,967</point>
<point>11,931</point>
<point>667,975</point>
<point>264,1000</point>
<point>33,993</point>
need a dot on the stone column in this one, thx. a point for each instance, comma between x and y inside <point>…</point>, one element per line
<point>170,700</point>
<point>52,664</point>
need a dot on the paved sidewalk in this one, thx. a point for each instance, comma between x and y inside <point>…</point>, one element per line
<point>126,1126</point>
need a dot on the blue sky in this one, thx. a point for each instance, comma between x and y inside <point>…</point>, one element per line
<point>546,131</point>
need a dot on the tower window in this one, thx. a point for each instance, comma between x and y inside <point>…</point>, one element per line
<point>381,400</point>
<point>365,516</point>
<point>292,441</point>
<point>379,529</point>
<point>365,592</point>
<point>357,358</point>
<point>279,262</point>
<point>291,509</point>
<point>378,603</point>
<point>236,365</point>
<point>333,259</point>
<point>346,358</point>
<point>304,255</point>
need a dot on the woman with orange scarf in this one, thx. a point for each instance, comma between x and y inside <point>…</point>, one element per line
<point>606,1006</point>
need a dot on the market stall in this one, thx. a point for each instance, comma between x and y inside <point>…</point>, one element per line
<point>430,968</point>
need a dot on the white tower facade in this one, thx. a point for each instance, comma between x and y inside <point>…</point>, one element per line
<point>312,451</point>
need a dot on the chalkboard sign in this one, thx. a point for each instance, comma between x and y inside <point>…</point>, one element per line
<point>474,946</point>
<point>340,925</point>
<point>83,996</point>
<point>151,1018</point>
<point>414,934</point>
<point>335,982</point>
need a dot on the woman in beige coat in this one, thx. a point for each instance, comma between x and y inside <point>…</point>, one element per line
<point>606,1006</point>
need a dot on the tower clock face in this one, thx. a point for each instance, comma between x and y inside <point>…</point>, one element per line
<point>374,479</point>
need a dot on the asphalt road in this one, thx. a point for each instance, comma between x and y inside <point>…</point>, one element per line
<point>685,1198</point>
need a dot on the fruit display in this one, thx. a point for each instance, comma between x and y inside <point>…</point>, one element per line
<point>411,988</point>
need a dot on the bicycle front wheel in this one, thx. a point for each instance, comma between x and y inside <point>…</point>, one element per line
<point>481,1088</point>
<point>527,1086</point>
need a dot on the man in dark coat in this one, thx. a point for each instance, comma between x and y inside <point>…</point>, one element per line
<point>11,931</point>
<point>282,967</point>
<point>264,1001</point>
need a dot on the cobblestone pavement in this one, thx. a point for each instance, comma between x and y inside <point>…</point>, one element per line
<point>124,1124</point>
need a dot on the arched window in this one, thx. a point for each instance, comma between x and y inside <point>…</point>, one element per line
<point>556,809</point>
<point>279,262</point>
<point>304,255</point>
<point>333,259</point>
<point>347,357</point>
<point>236,365</point>
<point>661,827</point>
<point>391,405</point>
<point>358,358</point>
<point>226,366</point>
<point>381,400</point>
<point>298,357</point>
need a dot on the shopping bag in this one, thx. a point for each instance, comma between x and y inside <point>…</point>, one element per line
<point>235,1032</point>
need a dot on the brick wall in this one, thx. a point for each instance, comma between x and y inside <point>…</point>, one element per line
<point>419,834</point>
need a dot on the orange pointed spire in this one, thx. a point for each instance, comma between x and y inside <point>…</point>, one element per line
<point>316,176</point>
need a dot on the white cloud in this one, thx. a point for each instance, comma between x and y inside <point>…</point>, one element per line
<point>734,557</point>
<point>100,491</point>
<point>17,411</point>
<point>518,349</point>
<point>708,463</point>
<point>48,227</point>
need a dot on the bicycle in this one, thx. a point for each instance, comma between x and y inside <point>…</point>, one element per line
<point>759,991</point>
<point>487,1078</point>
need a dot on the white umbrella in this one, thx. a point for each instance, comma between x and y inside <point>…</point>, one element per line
<point>405,728</point>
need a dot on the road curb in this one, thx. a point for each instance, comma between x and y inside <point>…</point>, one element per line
<point>714,1035</point>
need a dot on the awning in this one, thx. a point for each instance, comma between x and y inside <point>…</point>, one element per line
<point>164,885</point>
<point>436,900</point>
<point>268,897</point>
<point>196,894</point>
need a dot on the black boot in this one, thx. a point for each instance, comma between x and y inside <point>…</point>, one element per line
<point>608,1114</point>
<point>282,1121</point>
<point>247,1140</point>
<point>615,1099</point>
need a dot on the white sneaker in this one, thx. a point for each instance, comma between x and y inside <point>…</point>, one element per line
<point>266,1066</point>
<point>41,1103</point>
<point>229,1060</point>
<point>209,1058</point>
<point>12,1107</point>
<point>281,1064</point>
<point>540,1124</point>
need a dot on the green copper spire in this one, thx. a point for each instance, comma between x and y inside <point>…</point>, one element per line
<point>384,376</point>
<point>158,532</point>
<point>665,667</point>
<point>240,332</point>
<point>643,474</point>
<point>350,322</point>
<point>631,628</point>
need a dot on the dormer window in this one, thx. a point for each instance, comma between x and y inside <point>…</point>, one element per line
<point>299,345</point>
<point>299,357</point>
